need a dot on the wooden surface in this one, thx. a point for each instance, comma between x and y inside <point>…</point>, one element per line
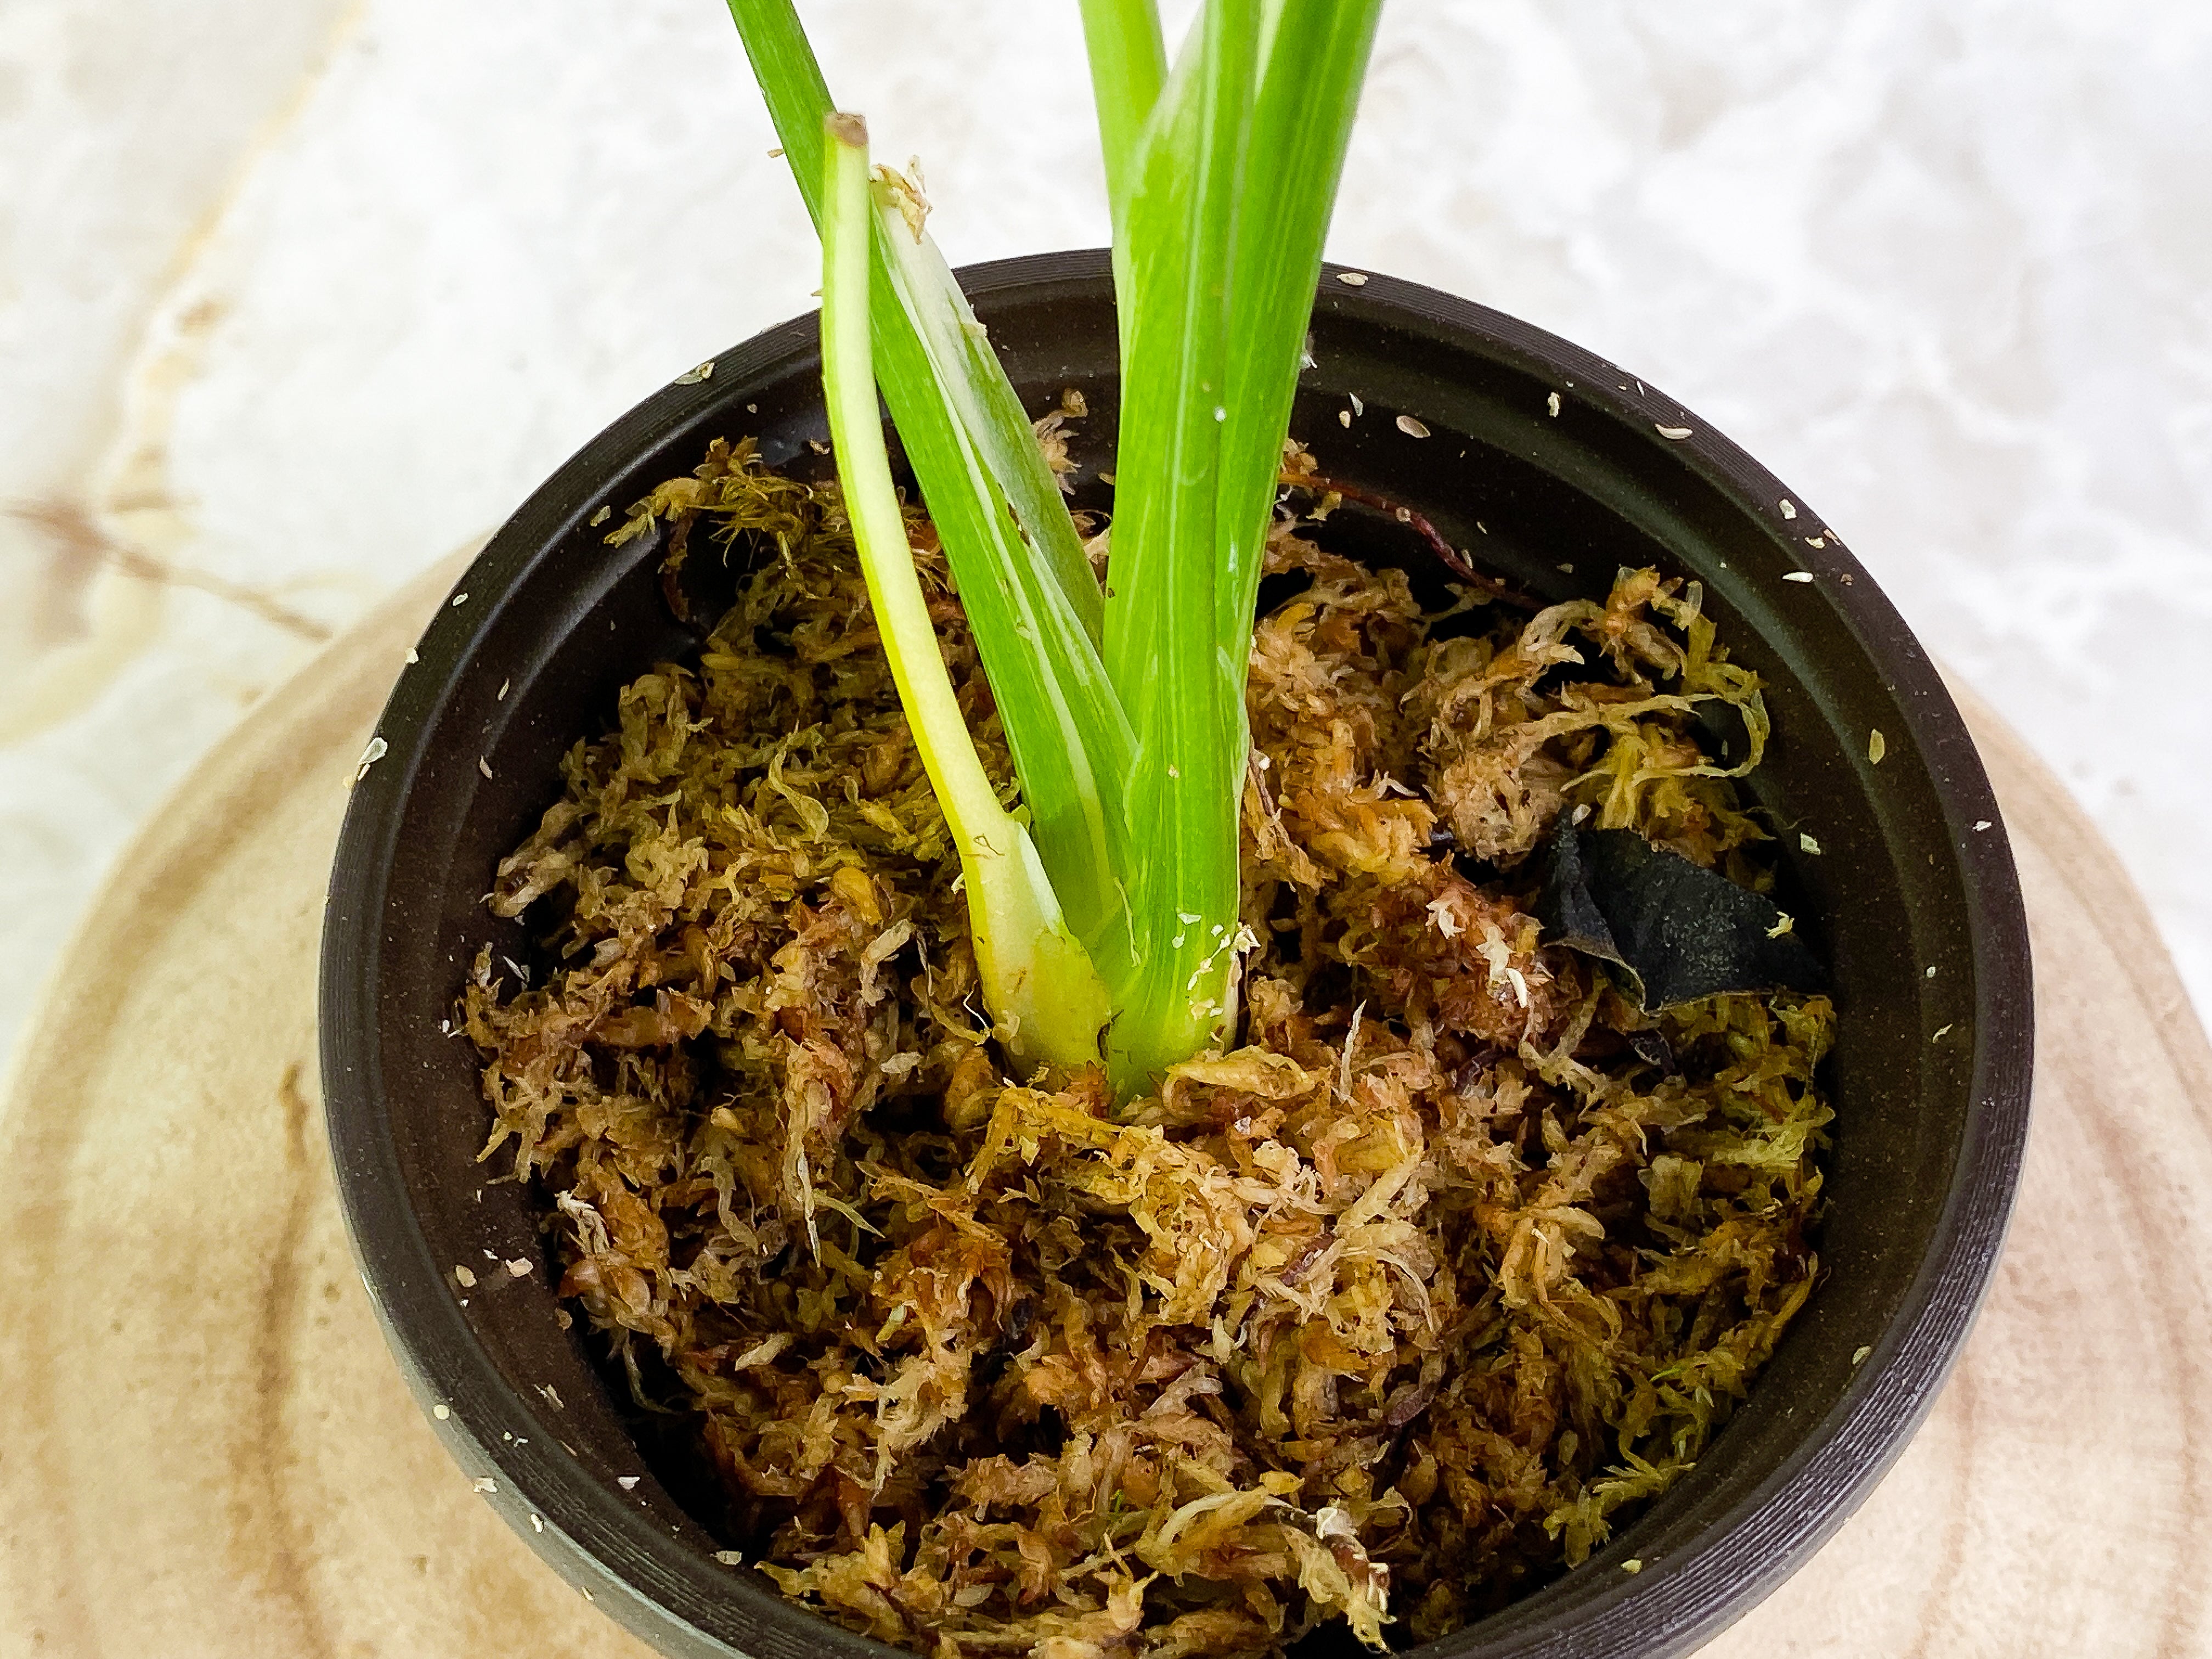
<point>205,1449</point>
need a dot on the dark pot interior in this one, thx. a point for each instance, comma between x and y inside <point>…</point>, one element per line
<point>1912,900</point>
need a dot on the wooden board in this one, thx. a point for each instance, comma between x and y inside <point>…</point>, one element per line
<point>205,1449</point>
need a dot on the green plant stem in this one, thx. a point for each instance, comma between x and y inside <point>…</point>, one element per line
<point>1181,692</point>
<point>1128,65</point>
<point>1124,711</point>
<point>1315,63</point>
<point>1048,1000</point>
<point>995,425</point>
<point>1034,604</point>
<point>1218,251</point>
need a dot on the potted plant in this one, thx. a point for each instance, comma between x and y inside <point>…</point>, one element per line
<point>1105,921</point>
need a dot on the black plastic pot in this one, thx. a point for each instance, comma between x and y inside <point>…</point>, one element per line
<point>1912,898</point>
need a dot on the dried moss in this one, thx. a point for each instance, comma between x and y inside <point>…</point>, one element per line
<point>1384,1316</point>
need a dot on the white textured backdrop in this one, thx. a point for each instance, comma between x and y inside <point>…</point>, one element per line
<point>297,297</point>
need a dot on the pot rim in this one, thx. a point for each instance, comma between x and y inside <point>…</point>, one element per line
<point>663,1586</point>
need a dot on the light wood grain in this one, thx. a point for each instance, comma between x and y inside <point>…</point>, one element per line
<point>205,1449</point>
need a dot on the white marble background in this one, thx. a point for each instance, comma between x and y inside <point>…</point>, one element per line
<point>297,297</point>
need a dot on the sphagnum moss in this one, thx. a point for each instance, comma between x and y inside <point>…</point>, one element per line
<point>1384,1314</point>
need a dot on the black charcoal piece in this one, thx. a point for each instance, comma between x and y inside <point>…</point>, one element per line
<point>1673,931</point>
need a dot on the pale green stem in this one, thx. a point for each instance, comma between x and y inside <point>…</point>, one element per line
<point>1043,993</point>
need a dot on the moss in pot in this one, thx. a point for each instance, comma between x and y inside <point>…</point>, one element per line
<point>1117,1184</point>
